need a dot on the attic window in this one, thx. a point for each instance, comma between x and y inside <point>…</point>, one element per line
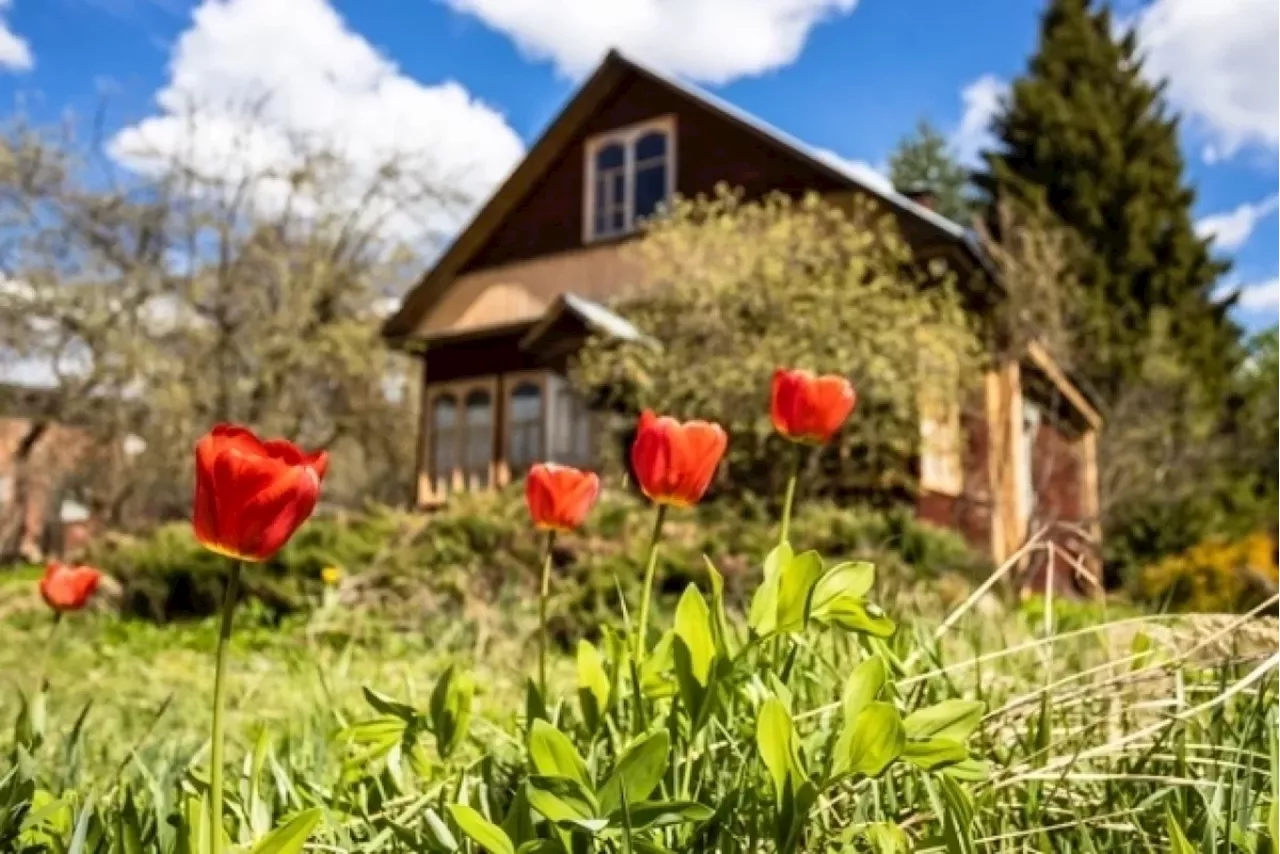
<point>630,173</point>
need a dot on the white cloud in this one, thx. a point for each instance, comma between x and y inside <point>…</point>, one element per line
<point>15,53</point>
<point>981,99</point>
<point>1222,61</point>
<point>254,82</point>
<point>712,41</point>
<point>1259,297</point>
<point>1231,229</point>
<point>874,177</point>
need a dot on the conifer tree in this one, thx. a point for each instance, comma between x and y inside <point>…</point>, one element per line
<point>925,160</point>
<point>1085,134</point>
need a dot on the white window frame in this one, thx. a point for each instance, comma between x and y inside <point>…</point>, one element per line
<point>627,137</point>
<point>458,478</point>
<point>557,384</point>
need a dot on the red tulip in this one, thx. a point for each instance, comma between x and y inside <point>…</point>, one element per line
<point>252,495</point>
<point>68,588</point>
<point>560,497</point>
<point>675,462</point>
<point>805,408</point>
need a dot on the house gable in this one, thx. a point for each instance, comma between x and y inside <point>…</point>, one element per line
<point>538,211</point>
<point>709,149</point>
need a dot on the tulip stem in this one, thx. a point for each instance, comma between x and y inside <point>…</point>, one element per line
<point>219,701</point>
<point>642,630</point>
<point>42,671</point>
<point>790,497</point>
<point>544,590</point>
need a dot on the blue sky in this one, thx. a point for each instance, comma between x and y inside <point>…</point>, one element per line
<point>473,81</point>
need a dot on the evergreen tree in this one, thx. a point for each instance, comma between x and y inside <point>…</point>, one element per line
<point>925,160</point>
<point>1085,134</point>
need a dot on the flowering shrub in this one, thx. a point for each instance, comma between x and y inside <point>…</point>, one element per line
<point>1214,575</point>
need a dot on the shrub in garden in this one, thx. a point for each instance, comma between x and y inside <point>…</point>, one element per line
<point>1214,576</point>
<point>733,289</point>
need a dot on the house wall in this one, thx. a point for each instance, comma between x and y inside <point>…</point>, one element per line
<point>521,290</point>
<point>968,511</point>
<point>988,511</point>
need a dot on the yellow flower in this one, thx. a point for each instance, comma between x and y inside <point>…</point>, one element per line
<point>331,575</point>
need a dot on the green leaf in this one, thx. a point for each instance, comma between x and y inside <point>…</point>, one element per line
<point>518,822</point>
<point>931,753</point>
<point>563,800</point>
<point>79,839</point>
<point>640,768</point>
<point>951,719</point>
<point>1273,825</point>
<point>864,685</point>
<point>535,708</point>
<point>653,814</point>
<point>852,578</point>
<point>451,710</point>
<point>1178,842</point>
<point>693,626</point>
<point>439,836</point>
<point>553,755</point>
<point>874,740</point>
<point>195,823</point>
<point>969,771</point>
<point>483,832</point>
<point>854,614</point>
<point>719,618</point>
<point>654,681</point>
<point>957,818</point>
<point>775,737</point>
<point>290,836</point>
<point>128,829</point>
<point>388,705</point>
<point>795,585</point>
<point>541,846</point>
<point>885,837</point>
<point>762,617</point>
<point>593,685</point>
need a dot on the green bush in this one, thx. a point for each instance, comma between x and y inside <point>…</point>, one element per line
<point>481,548</point>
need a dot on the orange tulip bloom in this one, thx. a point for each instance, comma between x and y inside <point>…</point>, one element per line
<point>68,588</point>
<point>806,408</point>
<point>675,462</point>
<point>560,497</point>
<point>252,495</point>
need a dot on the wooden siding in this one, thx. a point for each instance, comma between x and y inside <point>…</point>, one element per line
<point>521,290</point>
<point>709,149</point>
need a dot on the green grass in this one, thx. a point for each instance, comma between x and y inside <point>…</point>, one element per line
<point>1107,729</point>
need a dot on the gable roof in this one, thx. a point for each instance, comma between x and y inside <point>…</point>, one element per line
<point>562,132</point>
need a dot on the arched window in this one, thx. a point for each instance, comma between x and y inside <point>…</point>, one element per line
<point>630,175</point>
<point>524,438</point>
<point>479,438</point>
<point>650,174</point>
<point>444,441</point>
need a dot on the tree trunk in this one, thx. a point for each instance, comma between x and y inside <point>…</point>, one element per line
<point>13,516</point>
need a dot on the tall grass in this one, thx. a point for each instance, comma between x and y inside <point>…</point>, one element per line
<point>1105,732</point>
